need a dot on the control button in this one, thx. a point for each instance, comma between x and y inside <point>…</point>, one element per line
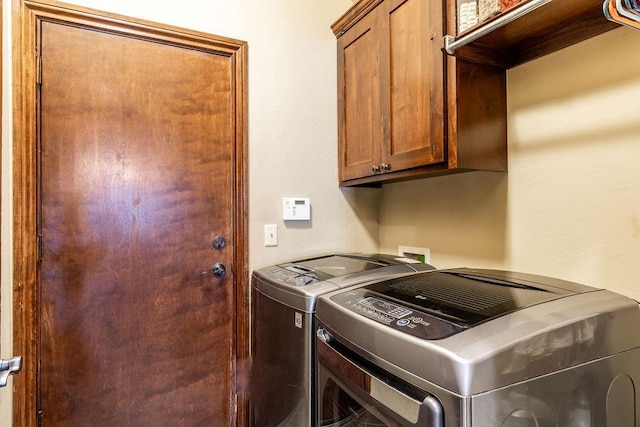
<point>399,312</point>
<point>403,322</point>
<point>282,275</point>
<point>417,319</point>
<point>304,280</point>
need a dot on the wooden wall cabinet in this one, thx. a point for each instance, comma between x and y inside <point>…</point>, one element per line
<point>405,110</point>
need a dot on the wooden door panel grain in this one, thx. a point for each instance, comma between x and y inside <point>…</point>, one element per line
<point>360,121</point>
<point>136,180</point>
<point>414,97</point>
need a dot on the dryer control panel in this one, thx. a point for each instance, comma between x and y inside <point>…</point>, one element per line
<point>292,276</point>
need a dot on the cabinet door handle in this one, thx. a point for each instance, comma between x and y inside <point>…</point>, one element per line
<point>375,169</point>
<point>385,167</point>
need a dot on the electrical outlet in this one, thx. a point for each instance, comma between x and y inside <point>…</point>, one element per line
<point>417,254</point>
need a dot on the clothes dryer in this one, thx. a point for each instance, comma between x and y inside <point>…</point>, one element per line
<point>282,391</point>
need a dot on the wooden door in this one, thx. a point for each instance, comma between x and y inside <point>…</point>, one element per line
<point>360,130</point>
<point>140,166</point>
<point>413,99</point>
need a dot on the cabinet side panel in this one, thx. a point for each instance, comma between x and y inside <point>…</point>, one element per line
<point>482,116</point>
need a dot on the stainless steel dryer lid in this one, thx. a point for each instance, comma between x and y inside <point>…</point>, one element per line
<point>336,266</point>
<point>299,283</point>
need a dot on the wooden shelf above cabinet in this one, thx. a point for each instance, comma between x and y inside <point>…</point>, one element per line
<point>546,29</point>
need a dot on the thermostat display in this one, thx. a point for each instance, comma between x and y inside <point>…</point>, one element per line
<point>296,208</point>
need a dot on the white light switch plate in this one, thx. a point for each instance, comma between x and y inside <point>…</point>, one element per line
<point>271,235</point>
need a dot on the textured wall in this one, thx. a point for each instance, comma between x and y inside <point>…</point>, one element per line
<point>569,206</point>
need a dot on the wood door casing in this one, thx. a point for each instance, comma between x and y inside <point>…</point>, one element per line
<point>119,180</point>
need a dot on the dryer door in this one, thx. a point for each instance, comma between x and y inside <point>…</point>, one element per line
<point>350,394</point>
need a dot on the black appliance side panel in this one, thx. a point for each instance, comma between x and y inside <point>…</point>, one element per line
<point>280,374</point>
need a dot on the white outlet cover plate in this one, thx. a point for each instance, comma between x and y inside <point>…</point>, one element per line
<point>404,251</point>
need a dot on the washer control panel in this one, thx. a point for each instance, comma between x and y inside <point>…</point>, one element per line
<point>379,309</point>
<point>396,316</point>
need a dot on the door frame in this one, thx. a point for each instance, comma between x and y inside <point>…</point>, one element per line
<point>27,14</point>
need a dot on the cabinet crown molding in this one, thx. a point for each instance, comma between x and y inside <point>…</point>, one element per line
<point>353,15</point>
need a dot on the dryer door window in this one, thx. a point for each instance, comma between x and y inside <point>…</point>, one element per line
<point>342,408</point>
<point>351,394</point>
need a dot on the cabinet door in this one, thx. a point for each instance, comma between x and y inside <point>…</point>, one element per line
<point>359,110</point>
<point>413,101</point>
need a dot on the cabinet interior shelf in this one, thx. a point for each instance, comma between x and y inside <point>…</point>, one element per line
<point>546,29</point>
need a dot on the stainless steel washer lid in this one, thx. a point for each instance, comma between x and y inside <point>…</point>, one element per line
<point>580,325</point>
<point>443,303</point>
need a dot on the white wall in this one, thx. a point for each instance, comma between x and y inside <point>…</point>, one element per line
<point>292,127</point>
<point>569,206</point>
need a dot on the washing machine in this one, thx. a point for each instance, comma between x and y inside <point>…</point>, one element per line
<point>467,347</point>
<point>283,301</point>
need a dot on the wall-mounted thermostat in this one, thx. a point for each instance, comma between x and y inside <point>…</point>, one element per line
<point>296,208</point>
